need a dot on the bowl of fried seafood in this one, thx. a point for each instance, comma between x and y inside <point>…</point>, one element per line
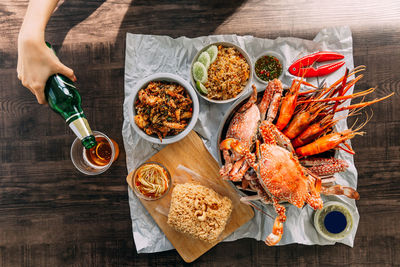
<point>163,108</point>
<point>221,72</point>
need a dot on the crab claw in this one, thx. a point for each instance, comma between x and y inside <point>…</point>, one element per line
<point>235,145</point>
<point>275,236</point>
<point>232,143</point>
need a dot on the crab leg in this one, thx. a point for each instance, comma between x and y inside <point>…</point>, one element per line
<point>277,230</point>
<point>314,187</point>
<point>272,88</point>
<point>252,100</point>
<point>328,179</point>
<point>236,168</point>
<point>266,200</point>
<point>261,195</point>
<point>329,169</point>
<point>273,109</point>
<point>237,174</point>
<point>224,171</point>
<point>247,199</point>
<point>319,161</point>
<point>340,190</point>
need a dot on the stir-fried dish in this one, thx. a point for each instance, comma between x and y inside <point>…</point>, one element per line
<point>163,108</point>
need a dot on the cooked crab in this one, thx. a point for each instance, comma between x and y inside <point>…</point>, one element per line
<point>244,127</point>
<point>282,177</point>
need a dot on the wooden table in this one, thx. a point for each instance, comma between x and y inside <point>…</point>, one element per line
<point>51,215</point>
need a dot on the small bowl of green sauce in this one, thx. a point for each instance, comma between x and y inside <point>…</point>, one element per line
<point>334,221</point>
<point>268,66</point>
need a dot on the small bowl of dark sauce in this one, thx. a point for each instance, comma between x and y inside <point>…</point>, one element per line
<point>334,221</point>
<point>268,66</point>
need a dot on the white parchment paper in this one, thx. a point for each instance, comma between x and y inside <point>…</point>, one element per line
<point>148,54</point>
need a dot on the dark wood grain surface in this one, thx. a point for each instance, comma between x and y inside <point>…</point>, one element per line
<point>51,215</point>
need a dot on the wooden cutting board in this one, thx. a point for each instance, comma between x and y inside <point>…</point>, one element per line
<point>191,153</point>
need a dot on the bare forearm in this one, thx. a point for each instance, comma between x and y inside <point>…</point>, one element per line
<point>36,17</point>
<point>36,62</point>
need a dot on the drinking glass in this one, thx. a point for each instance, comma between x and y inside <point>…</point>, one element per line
<point>82,161</point>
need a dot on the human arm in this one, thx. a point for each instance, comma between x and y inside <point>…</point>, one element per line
<point>36,62</point>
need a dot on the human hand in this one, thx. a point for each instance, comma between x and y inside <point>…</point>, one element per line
<point>36,63</point>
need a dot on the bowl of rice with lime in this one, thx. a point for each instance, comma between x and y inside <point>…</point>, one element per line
<point>221,72</point>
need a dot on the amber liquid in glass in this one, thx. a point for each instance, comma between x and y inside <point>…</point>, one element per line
<point>100,155</point>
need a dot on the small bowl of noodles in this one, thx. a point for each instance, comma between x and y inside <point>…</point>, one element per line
<point>151,181</point>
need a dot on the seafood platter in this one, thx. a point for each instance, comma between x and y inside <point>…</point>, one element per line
<point>279,148</point>
<point>277,144</point>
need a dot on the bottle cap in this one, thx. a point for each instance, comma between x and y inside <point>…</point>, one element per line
<point>89,141</point>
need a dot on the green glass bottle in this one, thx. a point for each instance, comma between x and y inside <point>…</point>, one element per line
<point>64,99</point>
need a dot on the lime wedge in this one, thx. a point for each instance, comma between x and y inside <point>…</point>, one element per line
<point>205,59</point>
<point>199,72</point>
<point>202,89</point>
<point>213,52</point>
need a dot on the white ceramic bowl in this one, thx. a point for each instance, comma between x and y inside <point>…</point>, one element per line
<point>349,214</point>
<point>167,77</point>
<point>245,89</point>
<point>273,54</point>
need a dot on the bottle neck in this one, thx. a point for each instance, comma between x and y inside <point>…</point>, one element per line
<point>75,117</point>
<point>89,142</point>
<point>80,126</point>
